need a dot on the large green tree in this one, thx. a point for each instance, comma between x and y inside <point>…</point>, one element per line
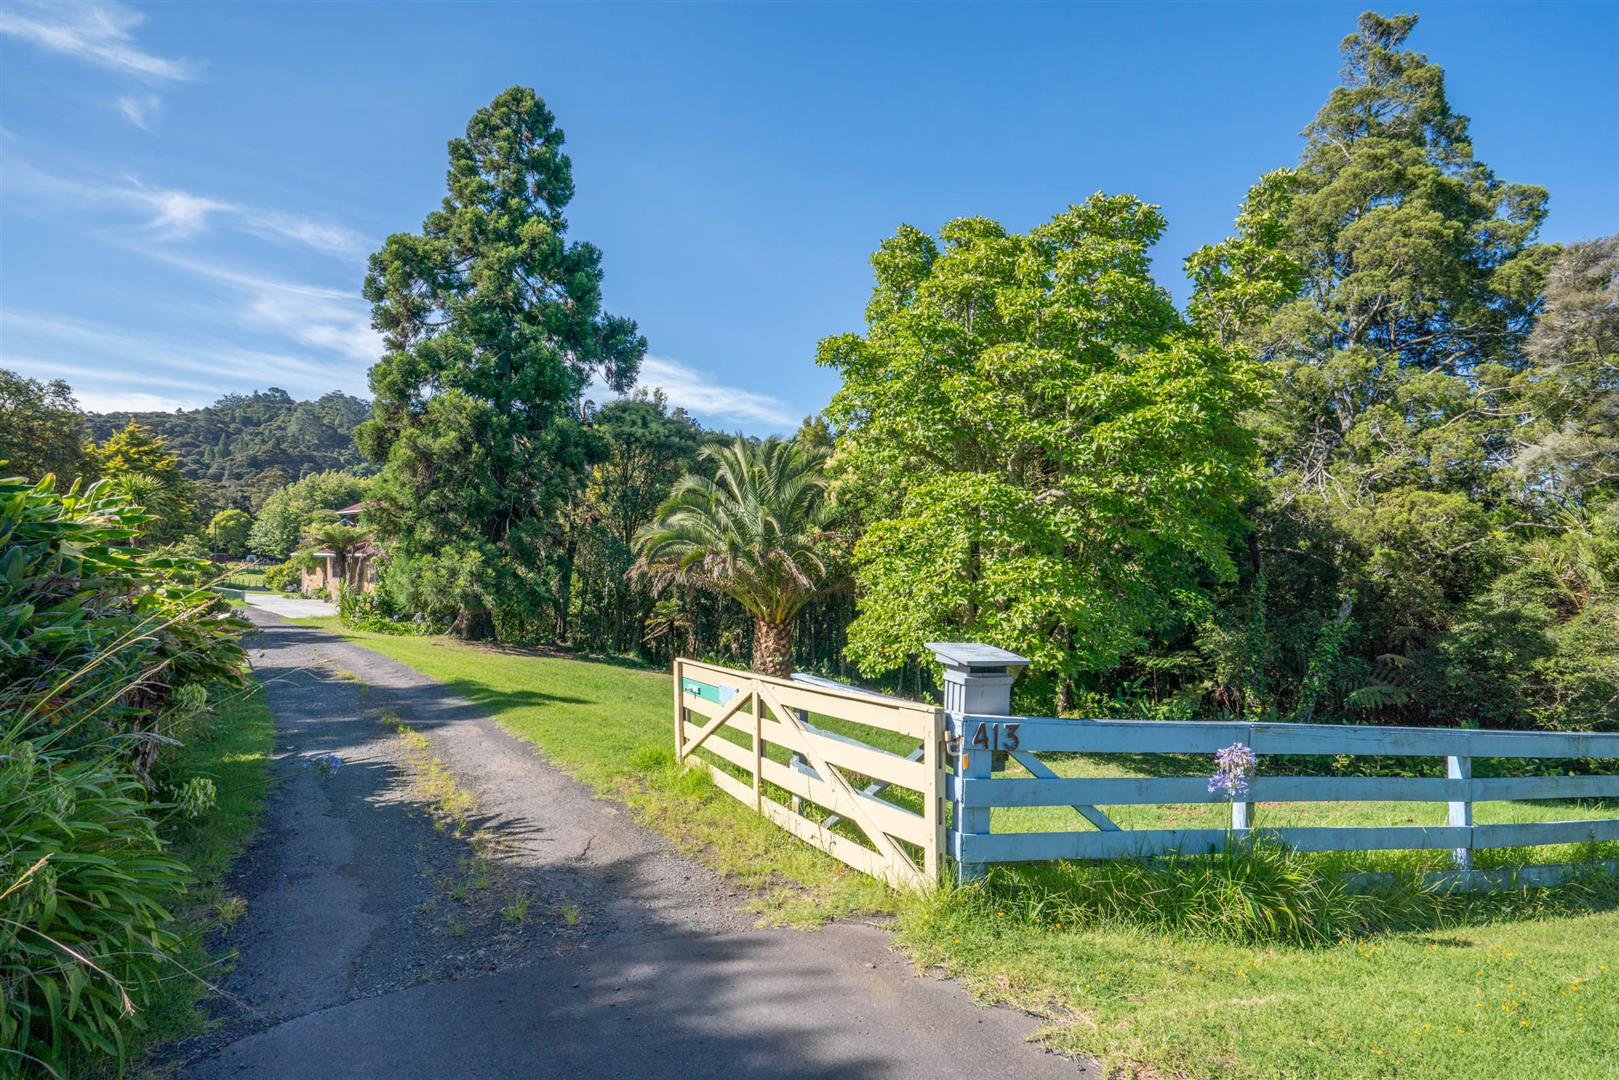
<point>282,518</point>
<point>228,531</point>
<point>1568,395</point>
<point>1388,282</point>
<point>41,428</point>
<point>1045,458</point>
<point>493,324</point>
<point>141,465</point>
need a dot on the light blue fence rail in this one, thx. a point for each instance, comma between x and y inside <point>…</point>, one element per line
<point>976,741</point>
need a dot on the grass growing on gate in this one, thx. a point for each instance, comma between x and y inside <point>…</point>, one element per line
<point>1259,969</point>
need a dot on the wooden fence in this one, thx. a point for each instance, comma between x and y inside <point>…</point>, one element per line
<point>878,808</point>
<point>877,772</point>
<point>977,740</point>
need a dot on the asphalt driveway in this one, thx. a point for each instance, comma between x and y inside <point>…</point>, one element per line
<point>633,961</point>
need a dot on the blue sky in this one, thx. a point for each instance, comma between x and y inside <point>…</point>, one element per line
<point>188,192</point>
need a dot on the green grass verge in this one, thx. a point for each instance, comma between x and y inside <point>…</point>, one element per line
<point>235,755</point>
<point>1523,984</point>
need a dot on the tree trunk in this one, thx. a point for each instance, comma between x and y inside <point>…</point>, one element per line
<point>564,594</point>
<point>773,648</point>
<point>473,624</point>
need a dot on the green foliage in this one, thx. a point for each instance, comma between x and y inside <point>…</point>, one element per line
<point>228,531</point>
<point>1389,284</point>
<point>85,931</point>
<point>283,577</point>
<point>493,325</point>
<point>645,449</point>
<point>1570,390</point>
<point>146,474</point>
<point>755,532</point>
<point>1540,646</point>
<point>97,637</point>
<point>359,609</point>
<point>1045,458</point>
<point>1255,892</point>
<point>41,427</point>
<point>104,653</point>
<point>284,514</point>
<point>243,447</point>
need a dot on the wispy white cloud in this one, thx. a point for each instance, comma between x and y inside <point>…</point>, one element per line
<point>139,109</point>
<point>189,367</point>
<point>179,215</point>
<point>320,235</point>
<point>697,393</point>
<point>332,320</point>
<point>175,214</point>
<point>97,32</point>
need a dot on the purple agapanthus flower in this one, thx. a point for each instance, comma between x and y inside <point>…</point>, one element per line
<point>1232,768</point>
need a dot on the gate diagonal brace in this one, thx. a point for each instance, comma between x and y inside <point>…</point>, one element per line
<point>881,839</point>
<point>1040,770</point>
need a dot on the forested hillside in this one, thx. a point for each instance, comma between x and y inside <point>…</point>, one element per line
<point>245,446</point>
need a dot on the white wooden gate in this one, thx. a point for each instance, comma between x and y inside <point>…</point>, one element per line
<point>824,758</point>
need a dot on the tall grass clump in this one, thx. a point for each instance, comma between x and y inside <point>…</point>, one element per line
<point>106,651</point>
<point>1254,892</point>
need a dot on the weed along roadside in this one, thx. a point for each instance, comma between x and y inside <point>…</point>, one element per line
<point>1265,963</point>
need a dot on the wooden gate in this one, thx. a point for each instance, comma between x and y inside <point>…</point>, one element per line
<point>869,767</point>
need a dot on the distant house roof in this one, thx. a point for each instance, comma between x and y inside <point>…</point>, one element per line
<point>355,509</point>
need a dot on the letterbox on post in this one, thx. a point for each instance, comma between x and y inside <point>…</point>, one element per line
<point>977,681</point>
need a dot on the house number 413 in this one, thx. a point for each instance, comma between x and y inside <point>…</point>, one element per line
<point>995,736</point>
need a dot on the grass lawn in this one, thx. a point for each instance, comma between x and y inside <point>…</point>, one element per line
<point>235,755</point>
<point>245,579</point>
<point>1523,984</point>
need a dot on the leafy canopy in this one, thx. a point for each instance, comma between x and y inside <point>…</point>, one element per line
<point>41,428</point>
<point>284,514</point>
<point>1044,457</point>
<point>1388,283</point>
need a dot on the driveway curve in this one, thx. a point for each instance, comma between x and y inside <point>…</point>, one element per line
<point>348,967</point>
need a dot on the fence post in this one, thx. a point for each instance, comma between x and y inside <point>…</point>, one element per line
<point>1461,813</point>
<point>680,712</point>
<point>1242,813</point>
<point>758,749</point>
<point>977,681</point>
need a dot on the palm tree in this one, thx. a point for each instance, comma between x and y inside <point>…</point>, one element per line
<point>749,533</point>
<point>343,541</point>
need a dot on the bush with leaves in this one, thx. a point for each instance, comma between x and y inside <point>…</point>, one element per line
<point>86,932</point>
<point>96,635</point>
<point>284,577</point>
<point>105,651</point>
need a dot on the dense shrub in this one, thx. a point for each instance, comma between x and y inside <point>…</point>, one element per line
<point>97,636</point>
<point>283,577</point>
<point>105,650</point>
<point>363,610</point>
<point>85,926</point>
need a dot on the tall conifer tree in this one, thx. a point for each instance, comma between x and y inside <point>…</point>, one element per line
<point>494,325</point>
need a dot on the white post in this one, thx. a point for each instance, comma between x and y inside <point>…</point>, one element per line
<point>1241,815</point>
<point>1461,812</point>
<point>977,681</point>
